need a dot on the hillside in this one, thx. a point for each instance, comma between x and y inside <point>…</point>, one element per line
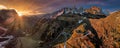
<point>76,30</point>
<point>107,30</point>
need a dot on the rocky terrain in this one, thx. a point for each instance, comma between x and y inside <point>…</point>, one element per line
<point>107,30</point>
<point>67,28</point>
<point>82,31</point>
<point>91,33</point>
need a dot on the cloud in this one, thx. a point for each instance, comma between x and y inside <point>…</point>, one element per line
<point>52,5</point>
<point>3,7</point>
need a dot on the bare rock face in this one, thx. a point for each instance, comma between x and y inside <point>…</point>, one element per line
<point>108,30</point>
<point>107,34</point>
<point>94,10</point>
<point>6,13</point>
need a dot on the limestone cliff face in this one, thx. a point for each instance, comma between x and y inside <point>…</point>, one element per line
<point>107,30</point>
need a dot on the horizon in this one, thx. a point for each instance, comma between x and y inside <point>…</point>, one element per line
<point>46,6</point>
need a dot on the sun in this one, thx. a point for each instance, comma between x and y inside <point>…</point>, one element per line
<point>20,14</point>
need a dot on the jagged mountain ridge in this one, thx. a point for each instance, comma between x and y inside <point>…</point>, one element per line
<point>107,29</point>
<point>94,12</point>
<point>93,23</point>
<point>53,22</point>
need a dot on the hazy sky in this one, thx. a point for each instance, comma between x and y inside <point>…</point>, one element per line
<point>52,5</point>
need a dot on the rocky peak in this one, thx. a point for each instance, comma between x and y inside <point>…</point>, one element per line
<point>9,12</point>
<point>94,10</point>
<point>6,13</point>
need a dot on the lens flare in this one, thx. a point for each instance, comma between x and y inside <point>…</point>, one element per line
<point>20,14</point>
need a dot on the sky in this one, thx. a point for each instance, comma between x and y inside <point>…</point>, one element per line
<point>48,6</point>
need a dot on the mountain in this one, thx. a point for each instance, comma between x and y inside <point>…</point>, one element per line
<point>75,31</point>
<point>68,28</point>
<point>55,29</point>
<point>94,10</point>
<point>7,13</point>
<point>107,30</point>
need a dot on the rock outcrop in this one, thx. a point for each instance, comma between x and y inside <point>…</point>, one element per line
<point>6,13</point>
<point>94,10</point>
<point>107,30</point>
